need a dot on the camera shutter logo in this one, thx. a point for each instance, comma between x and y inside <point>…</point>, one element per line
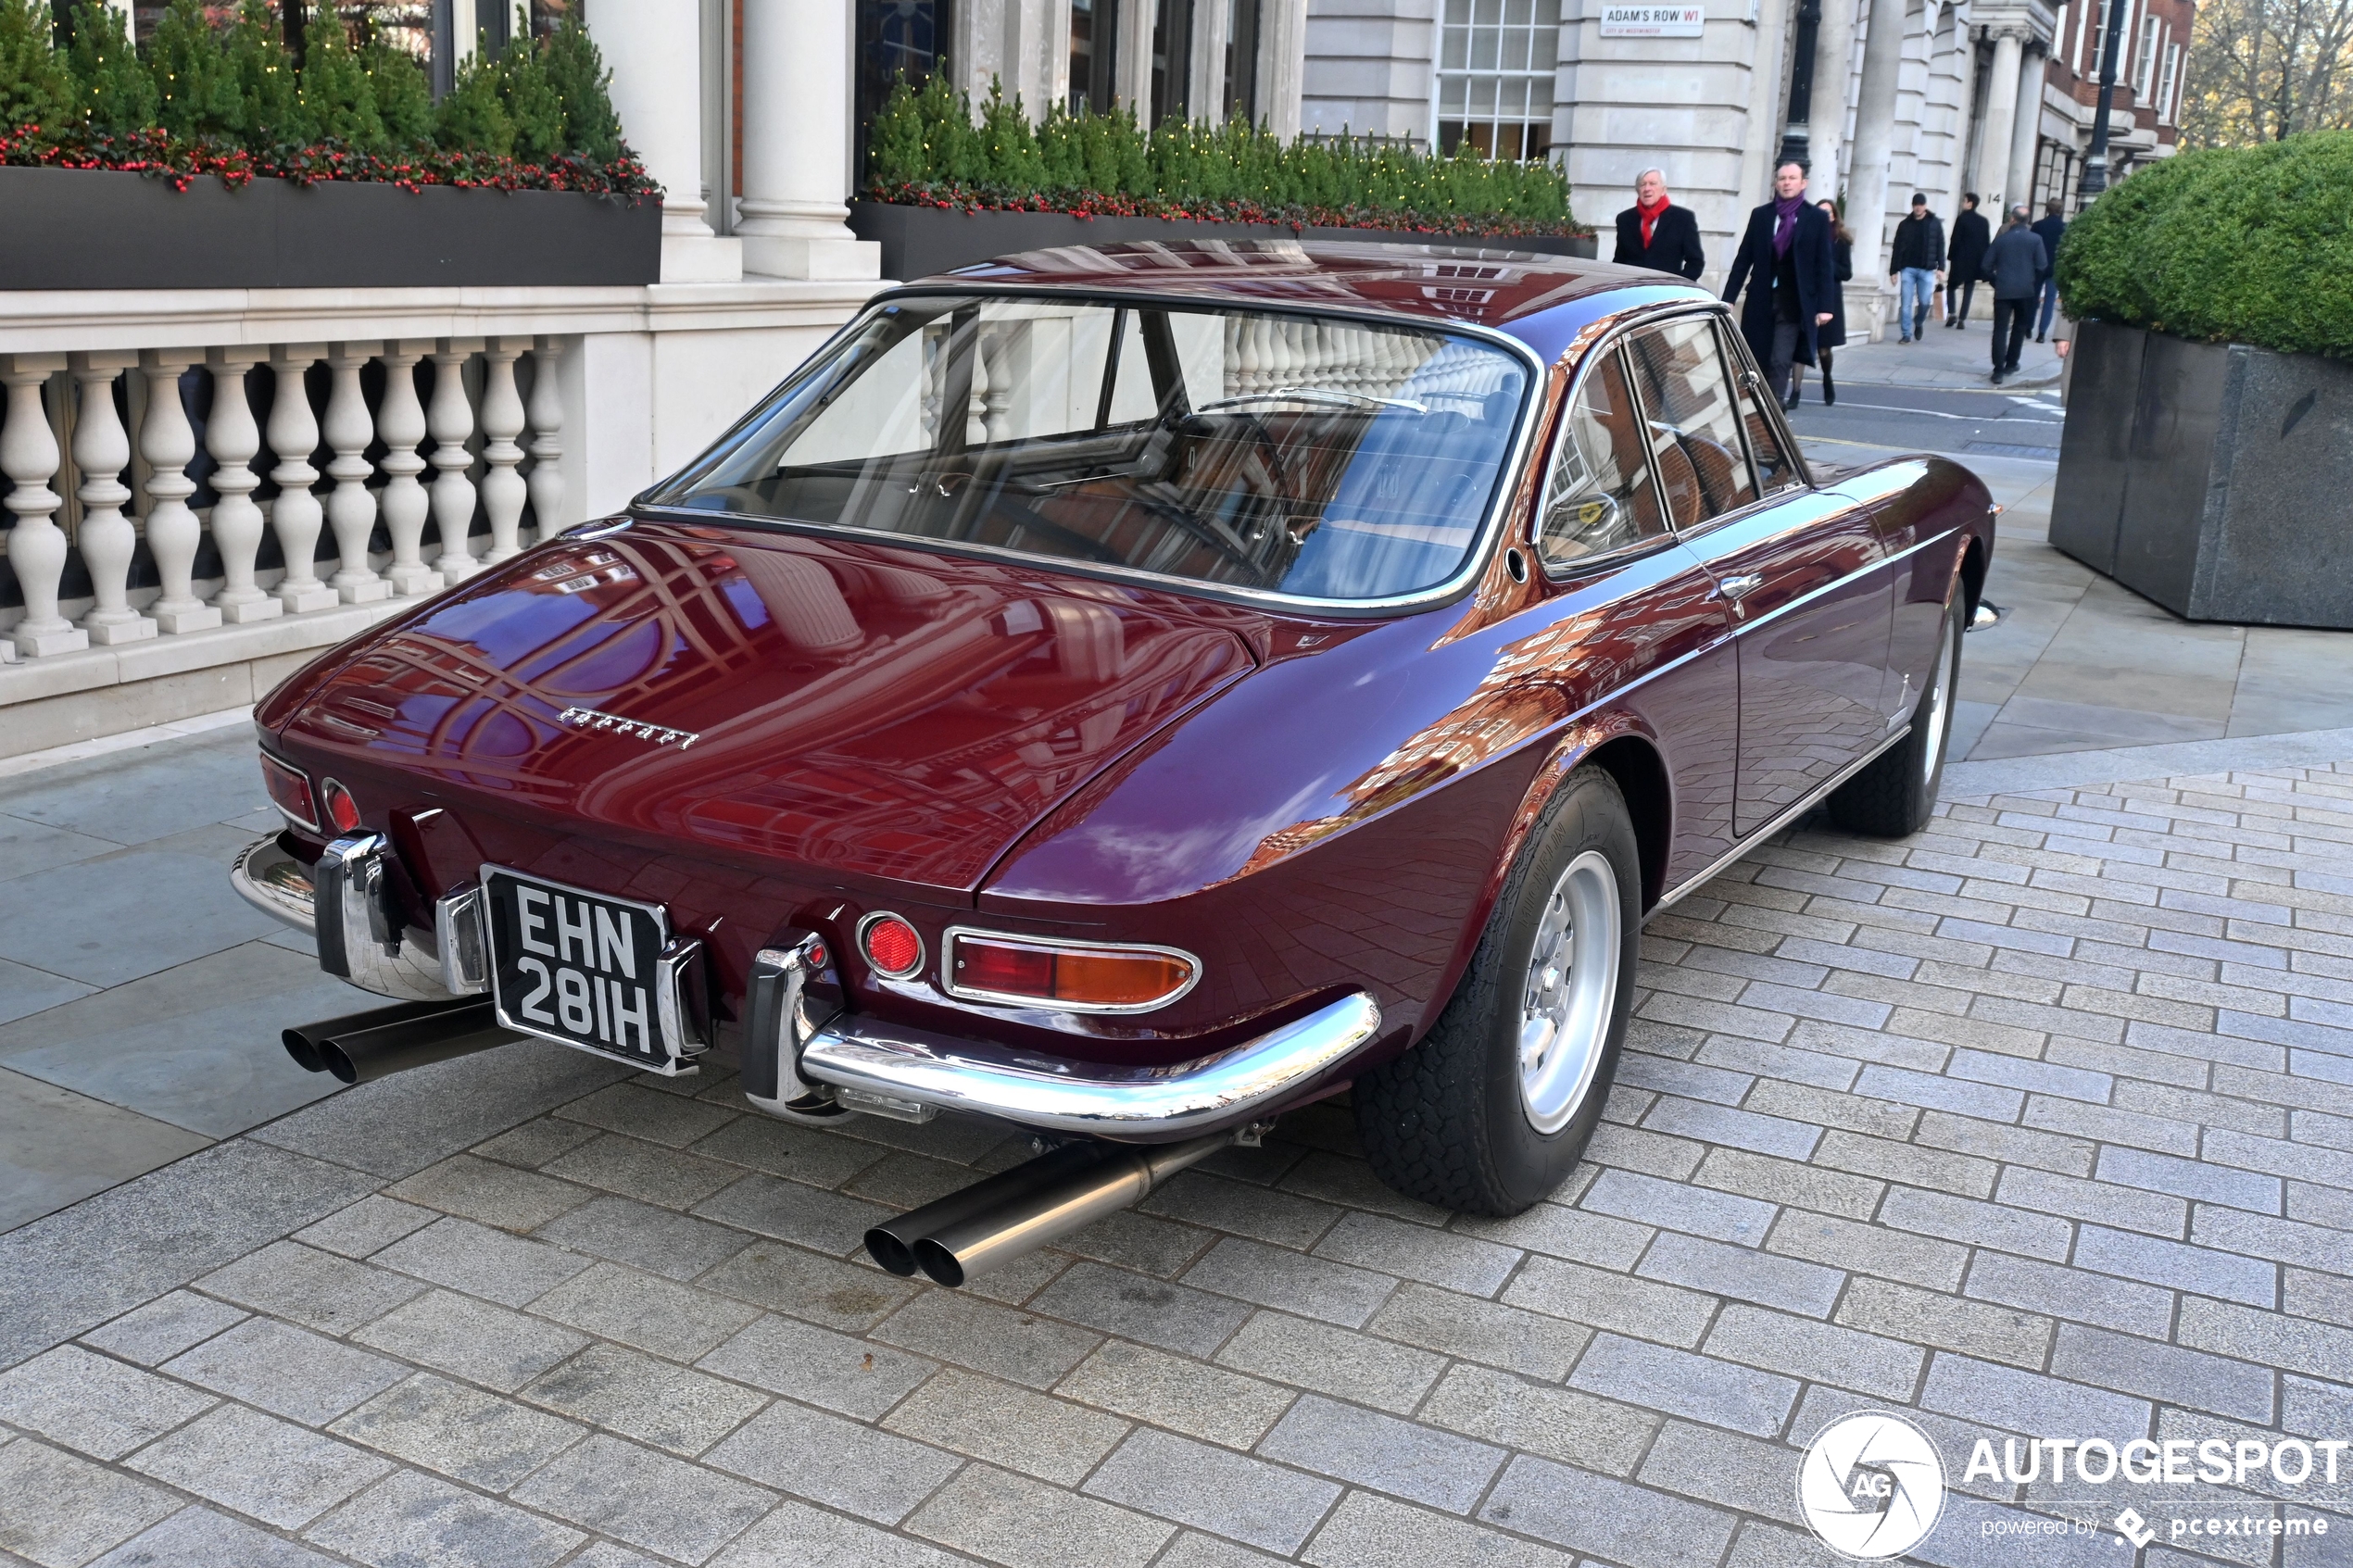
<point>1872,1485</point>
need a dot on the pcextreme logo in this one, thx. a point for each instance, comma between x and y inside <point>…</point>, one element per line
<point>1872,1485</point>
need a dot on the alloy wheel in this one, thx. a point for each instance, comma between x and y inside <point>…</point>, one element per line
<point>1567,1000</point>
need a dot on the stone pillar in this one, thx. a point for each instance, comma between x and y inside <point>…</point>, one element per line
<point>1834,81</point>
<point>1132,54</point>
<point>655,50</point>
<point>796,109</point>
<point>1213,20</point>
<point>1874,140</point>
<point>2025,129</point>
<point>1282,63</point>
<point>1994,134</point>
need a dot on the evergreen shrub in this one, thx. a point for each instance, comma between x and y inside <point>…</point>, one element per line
<point>929,148</point>
<point>199,98</point>
<point>2244,245</point>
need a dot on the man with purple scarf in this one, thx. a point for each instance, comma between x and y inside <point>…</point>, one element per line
<point>1787,260</point>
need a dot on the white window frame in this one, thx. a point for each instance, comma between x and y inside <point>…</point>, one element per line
<point>1537,71</point>
<point>2145,64</point>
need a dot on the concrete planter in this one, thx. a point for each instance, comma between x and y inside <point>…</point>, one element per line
<point>919,241</point>
<point>2213,478</point>
<point>99,229</point>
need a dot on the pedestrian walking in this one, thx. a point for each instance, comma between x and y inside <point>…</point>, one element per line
<point>1656,233</point>
<point>1966,256</point>
<point>1786,261</point>
<point>2050,229</point>
<point>1831,334</point>
<point>1917,259</point>
<point>2063,344</point>
<point>2015,264</point>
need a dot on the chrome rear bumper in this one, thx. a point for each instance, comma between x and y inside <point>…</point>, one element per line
<point>363,942</point>
<point>887,1062</point>
<point>276,883</point>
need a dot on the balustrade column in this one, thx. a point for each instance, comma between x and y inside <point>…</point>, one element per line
<point>503,491</point>
<point>36,545</point>
<point>400,421</point>
<point>351,508</point>
<point>233,438</point>
<point>546,476</point>
<point>102,450</point>
<point>450,420</point>
<point>167,441</point>
<point>295,515</point>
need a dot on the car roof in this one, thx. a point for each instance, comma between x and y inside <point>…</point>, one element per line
<point>1546,301</point>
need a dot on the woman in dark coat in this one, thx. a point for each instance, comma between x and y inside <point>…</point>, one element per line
<point>1832,333</point>
<point>1787,260</point>
<point>1656,233</point>
<point>1966,255</point>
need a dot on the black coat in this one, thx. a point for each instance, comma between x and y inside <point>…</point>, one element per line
<point>2050,231</point>
<point>2016,265</point>
<point>1832,333</point>
<point>1674,246</point>
<point>1920,242</point>
<point>1816,267</point>
<point>1970,236</point>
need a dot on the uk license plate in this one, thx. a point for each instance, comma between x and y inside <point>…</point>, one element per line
<point>575,967</point>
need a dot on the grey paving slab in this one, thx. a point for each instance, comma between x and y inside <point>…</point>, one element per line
<point>287,1371</point>
<point>1367,1531</point>
<point>645,1498</point>
<point>318,1289</point>
<point>1008,1426</point>
<point>73,1269</point>
<point>1012,1520</point>
<point>147,793</point>
<point>260,1466</point>
<point>1272,1276</point>
<point>829,1459</point>
<point>645,1113</point>
<point>797,1535</point>
<point>817,1366</point>
<point>1215,1489</point>
<point>415,1518</point>
<point>636,1169</point>
<point>459,1431</point>
<point>652,1400</point>
<point>58,1147</point>
<point>118,917</point>
<point>25,990</point>
<point>1175,1317</point>
<point>471,1339</point>
<point>1662,1378</point>
<point>26,847</point>
<point>482,1262</point>
<point>646,1310</point>
<point>369,1226</point>
<point>1177,1392</point>
<point>198,1537</point>
<point>827,1221</point>
<point>1017,1347</point>
<point>1383,1452</point>
<point>807,1285</point>
<point>1609,1518</point>
<point>62,1510</point>
<point>490,1194</point>
<point>1333,1361</point>
<point>155,1333</point>
<point>93,1404</point>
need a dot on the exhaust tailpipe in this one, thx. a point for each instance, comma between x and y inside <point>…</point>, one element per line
<point>376,1044</point>
<point>1017,1212</point>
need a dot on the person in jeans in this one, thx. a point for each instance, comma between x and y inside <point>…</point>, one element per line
<point>1656,233</point>
<point>1967,256</point>
<point>2016,266</point>
<point>2050,229</point>
<point>1917,259</point>
<point>1787,251</point>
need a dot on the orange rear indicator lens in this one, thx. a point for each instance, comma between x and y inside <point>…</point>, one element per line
<point>1069,975</point>
<point>289,791</point>
<point>891,946</point>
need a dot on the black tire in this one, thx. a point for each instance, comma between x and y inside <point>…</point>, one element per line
<point>1446,1123</point>
<point>1895,795</point>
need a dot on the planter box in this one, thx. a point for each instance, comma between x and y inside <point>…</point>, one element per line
<point>98,229</point>
<point>2209,477</point>
<point>919,241</point>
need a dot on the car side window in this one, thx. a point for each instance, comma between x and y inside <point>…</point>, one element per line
<point>1692,423</point>
<point>1775,464</point>
<point>1599,494</point>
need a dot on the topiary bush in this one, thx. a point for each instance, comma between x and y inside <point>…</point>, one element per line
<point>929,147</point>
<point>2247,245</point>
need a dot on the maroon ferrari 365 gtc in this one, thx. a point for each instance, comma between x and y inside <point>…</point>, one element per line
<point>1131,692</point>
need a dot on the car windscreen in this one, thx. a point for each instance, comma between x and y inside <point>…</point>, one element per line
<point>1326,458</point>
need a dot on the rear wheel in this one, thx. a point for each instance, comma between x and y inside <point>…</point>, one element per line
<point>1897,794</point>
<point>1489,1112</point>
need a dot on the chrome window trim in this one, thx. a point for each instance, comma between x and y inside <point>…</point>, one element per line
<point>1055,1004</point>
<point>858,939</point>
<point>1465,578</point>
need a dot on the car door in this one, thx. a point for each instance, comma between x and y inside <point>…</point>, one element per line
<point>1799,567</point>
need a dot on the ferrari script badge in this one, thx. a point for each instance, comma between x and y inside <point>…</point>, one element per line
<point>661,735</point>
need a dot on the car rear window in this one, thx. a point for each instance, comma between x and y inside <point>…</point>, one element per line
<point>1323,457</point>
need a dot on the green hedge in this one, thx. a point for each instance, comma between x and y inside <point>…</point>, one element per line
<point>930,147</point>
<point>2249,245</point>
<point>201,98</point>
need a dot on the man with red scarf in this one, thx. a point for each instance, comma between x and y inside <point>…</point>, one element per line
<point>1787,251</point>
<point>1656,233</point>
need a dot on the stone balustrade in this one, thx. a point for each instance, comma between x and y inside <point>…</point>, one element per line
<point>220,551</point>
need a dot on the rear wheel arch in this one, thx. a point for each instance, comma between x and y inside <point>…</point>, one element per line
<point>1972,578</point>
<point>1641,772</point>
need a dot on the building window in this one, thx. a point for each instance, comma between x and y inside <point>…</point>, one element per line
<point>2144,58</point>
<point>895,38</point>
<point>2165,83</point>
<point>1094,54</point>
<point>1495,66</point>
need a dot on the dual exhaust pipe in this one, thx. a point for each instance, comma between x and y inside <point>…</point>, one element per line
<point>1016,1212</point>
<point>379,1043</point>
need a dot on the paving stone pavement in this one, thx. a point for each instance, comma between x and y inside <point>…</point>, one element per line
<point>2037,1122</point>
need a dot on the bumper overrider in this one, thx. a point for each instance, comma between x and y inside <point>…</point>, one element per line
<point>806,1058</point>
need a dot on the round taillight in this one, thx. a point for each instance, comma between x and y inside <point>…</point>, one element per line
<point>342,812</point>
<point>892,946</point>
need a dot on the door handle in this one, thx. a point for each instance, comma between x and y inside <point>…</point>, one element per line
<point>1739,584</point>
